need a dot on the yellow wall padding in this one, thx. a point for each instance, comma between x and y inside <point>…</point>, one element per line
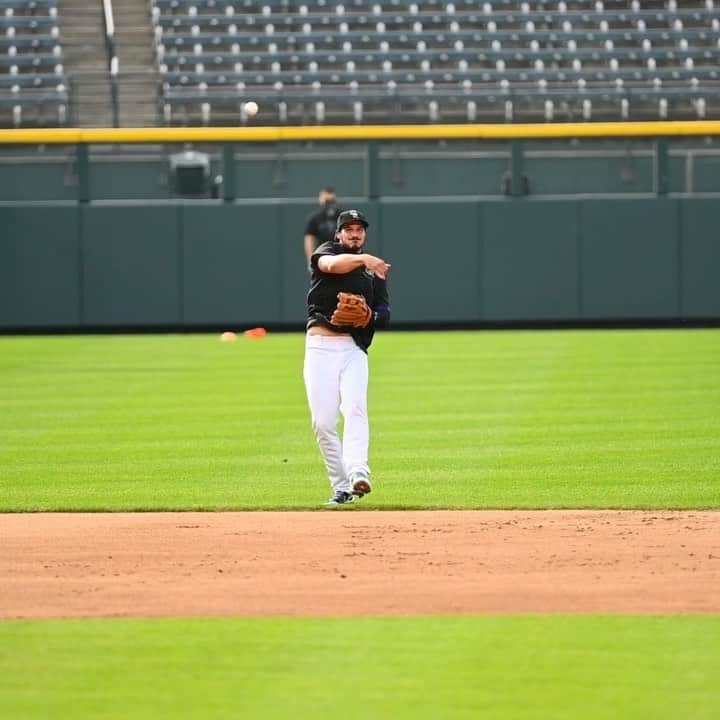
<point>72,136</point>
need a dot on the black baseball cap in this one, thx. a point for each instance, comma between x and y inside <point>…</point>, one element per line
<point>351,216</point>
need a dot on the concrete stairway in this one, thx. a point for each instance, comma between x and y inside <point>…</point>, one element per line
<point>82,34</point>
<point>82,31</point>
<point>135,49</point>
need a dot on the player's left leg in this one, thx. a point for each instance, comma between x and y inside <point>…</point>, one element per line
<point>354,407</point>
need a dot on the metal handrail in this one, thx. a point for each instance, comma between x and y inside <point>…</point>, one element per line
<point>113,62</point>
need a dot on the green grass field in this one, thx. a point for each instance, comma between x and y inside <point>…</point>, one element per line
<point>622,419</point>
<point>459,420</point>
<point>514,668</point>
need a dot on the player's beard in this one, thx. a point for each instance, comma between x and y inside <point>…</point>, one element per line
<point>354,244</point>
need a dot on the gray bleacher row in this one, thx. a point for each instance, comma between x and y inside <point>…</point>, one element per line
<point>425,77</point>
<point>442,92</point>
<point>24,62</point>
<point>32,80</point>
<point>40,107</point>
<point>437,21</point>
<point>449,58</point>
<point>490,103</point>
<point>512,13</point>
<point>27,22</point>
<point>28,43</point>
<point>281,6</point>
<point>192,107</point>
<point>400,39</point>
<point>33,87</point>
<point>18,7</point>
<point>406,107</point>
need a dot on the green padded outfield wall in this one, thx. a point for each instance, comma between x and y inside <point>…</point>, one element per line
<point>192,264</point>
<point>630,259</point>
<point>531,259</point>
<point>231,264</point>
<point>131,265</point>
<point>700,258</point>
<point>40,278</point>
<point>293,269</point>
<point>434,250</point>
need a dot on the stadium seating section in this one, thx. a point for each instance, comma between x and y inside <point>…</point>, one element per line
<point>33,90</point>
<point>401,61</point>
<point>325,61</point>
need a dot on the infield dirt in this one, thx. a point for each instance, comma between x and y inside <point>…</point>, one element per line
<point>358,563</point>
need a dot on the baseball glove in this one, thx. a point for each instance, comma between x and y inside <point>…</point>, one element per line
<point>351,310</point>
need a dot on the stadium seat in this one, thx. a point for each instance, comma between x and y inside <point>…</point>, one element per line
<point>33,88</point>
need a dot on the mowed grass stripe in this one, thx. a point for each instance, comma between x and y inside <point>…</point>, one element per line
<point>459,668</point>
<point>459,419</point>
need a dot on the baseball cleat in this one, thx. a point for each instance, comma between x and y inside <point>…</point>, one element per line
<point>361,487</point>
<point>340,498</point>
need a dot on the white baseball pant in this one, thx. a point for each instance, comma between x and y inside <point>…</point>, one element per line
<point>336,380</point>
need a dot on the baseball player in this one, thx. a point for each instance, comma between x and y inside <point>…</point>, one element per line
<point>320,225</point>
<point>347,300</point>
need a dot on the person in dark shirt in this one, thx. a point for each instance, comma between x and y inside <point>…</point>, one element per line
<point>336,365</point>
<point>320,225</point>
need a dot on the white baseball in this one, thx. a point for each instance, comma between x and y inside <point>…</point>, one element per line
<point>251,108</point>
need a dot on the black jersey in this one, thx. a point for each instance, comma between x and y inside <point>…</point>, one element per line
<point>324,288</point>
<point>321,223</point>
